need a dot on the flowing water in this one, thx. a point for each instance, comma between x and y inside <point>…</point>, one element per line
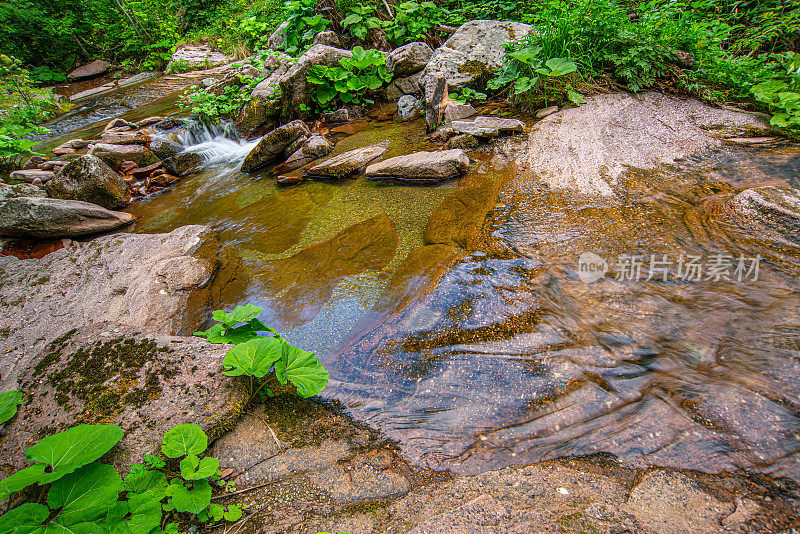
<point>454,319</point>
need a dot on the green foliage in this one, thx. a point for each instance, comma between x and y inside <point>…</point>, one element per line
<point>415,21</point>
<point>783,94</point>
<point>304,25</point>
<point>467,95</point>
<point>360,19</point>
<point>527,72</point>
<point>90,497</point>
<point>264,357</point>
<point>351,81</point>
<point>9,401</point>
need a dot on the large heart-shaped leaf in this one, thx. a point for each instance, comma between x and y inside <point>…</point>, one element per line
<point>138,515</point>
<point>193,500</point>
<point>184,439</point>
<point>85,494</point>
<point>303,370</point>
<point>240,314</point>
<point>193,468</point>
<point>255,357</point>
<point>66,451</point>
<point>144,481</point>
<point>24,519</point>
<point>9,401</point>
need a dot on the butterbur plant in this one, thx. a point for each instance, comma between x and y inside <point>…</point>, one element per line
<point>88,497</point>
<point>263,358</point>
<point>783,95</point>
<point>351,81</point>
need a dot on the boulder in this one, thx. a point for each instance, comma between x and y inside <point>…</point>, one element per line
<point>52,218</point>
<point>114,155</point>
<point>329,38</point>
<point>159,282</point>
<point>348,163</point>
<point>33,162</point>
<point>313,148</point>
<point>278,37</point>
<point>474,51</point>
<point>295,88</point>
<point>120,124</point>
<point>20,190</point>
<point>183,163</point>
<point>457,110</point>
<point>265,103</point>
<point>145,382</point>
<point>409,108</point>
<point>408,59</point>
<point>463,141</point>
<point>149,121</point>
<point>488,126</point>
<point>407,85</point>
<point>88,179</point>
<point>273,144</point>
<point>588,148</point>
<point>420,167</point>
<point>63,149</point>
<point>164,148</point>
<point>544,112</point>
<point>340,116</point>
<point>95,68</point>
<point>769,213</point>
<point>29,175</point>
<point>124,138</point>
<point>195,58</point>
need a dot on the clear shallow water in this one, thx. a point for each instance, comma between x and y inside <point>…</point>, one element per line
<point>494,352</point>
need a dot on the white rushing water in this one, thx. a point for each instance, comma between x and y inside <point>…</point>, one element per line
<point>218,144</point>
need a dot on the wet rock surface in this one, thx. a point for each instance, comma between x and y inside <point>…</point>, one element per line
<point>114,155</point>
<point>153,281</point>
<point>348,163</point>
<point>53,218</point>
<point>420,167</point>
<point>88,179</point>
<point>95,68</point>
<point>274,144</point>
<point>111,373</point>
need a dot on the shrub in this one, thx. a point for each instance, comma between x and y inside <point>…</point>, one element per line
<point>351,81</point>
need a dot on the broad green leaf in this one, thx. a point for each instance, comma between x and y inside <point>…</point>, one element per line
<point>86,494</point>
<point>302,369</point>
<point>24,519</point>
<point>9,401</point>
<point>21,480</point>
<point>233,513</point>
<point>68,450</point>
<point>560,66</point>
<point>352,18</point>
<point>193,500</point>
<point>193,468</point>
<point>216,511</point>
<point>138,515</point>
<point>240,314</point>
<point>91,527</point>
<point>184,439</point>
<point>523,85</point>
<point>255,357</point>
<point>145,481</point>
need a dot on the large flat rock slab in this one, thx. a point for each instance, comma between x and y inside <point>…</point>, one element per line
<point>420,167</point>
<point>586,149</point>
<point>348,163</point>
<point>111,373</point>
<point>156,281</point>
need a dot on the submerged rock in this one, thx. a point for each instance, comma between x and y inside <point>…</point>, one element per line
<point>112,373</point>
<point>274,144</point>
<point>348,163</point>
<point>52,218</point>
<point>474,51</point>
<point>165,148</point>
<point>88,179</point>
<point>769,213</point>
<point>408,59</point>
<point>183,163</point>
<point>420,167</point>
<point>114,155</point>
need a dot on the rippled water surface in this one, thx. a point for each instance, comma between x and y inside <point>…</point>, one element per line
<point>453,317</point>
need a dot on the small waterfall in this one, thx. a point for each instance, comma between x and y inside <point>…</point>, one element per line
<point>218,143</point>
